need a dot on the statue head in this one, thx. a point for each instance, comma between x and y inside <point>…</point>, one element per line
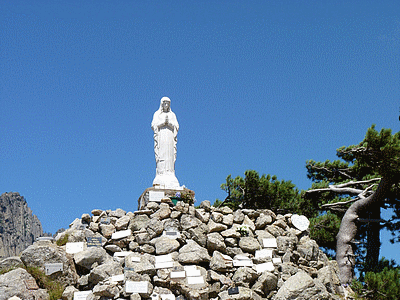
<point>165,104</point>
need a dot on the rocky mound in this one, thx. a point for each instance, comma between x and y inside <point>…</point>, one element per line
<point>18,227</point>
<point>179,252</point>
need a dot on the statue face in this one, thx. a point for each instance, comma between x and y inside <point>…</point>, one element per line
<point>165,105</point>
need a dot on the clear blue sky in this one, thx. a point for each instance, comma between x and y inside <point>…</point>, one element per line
<point>262,85</point>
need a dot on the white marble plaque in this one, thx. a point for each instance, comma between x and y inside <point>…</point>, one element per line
<point>195,280</point>
<point>121,234</point>
<point>156,196</point>
<point>81,295</point>
<point>122,253</point>
<point>72,248</point>
<point>135,259</point>
<point>268,266</point>
<point>167,297</point>
<point>192,271</point>
<point>264,253</point>
<point>300,222</point>
<point>53,268</point>
<point>242,263</point>
<point>178,274</point>
<point>270,243</point>
<point>136,287</point>
<point>164,265</point>
<point>276,260</point>
<point>117,278</point>
<point>163,258</point>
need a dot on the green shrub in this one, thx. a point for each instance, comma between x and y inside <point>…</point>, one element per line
<point>54,288</point>
<point>63,240</point>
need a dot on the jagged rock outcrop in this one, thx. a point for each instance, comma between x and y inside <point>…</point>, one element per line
<point>19,228</point>
<point>179,252</point>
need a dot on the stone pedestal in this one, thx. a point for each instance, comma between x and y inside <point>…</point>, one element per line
<point>145,196</point>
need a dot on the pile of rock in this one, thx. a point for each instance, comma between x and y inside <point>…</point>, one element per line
<point>180,252</point>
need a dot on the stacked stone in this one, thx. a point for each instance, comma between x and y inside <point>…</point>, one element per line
<point>220,245</point>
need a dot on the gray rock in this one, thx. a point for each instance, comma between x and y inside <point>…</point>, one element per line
<point>104,271</point>
<point>138,222</point>
<point>262,221</point>
<point>96,212</point>
<point>107,230</point>
<point>202,215</point>
<point>193,253</point>
<point>118,213</point>
<point>249,244</point>
<point>144,266</point>
<point>165,245</point>
<point>308,248</point>
<point>113,248</point>
<point>41,253</point>
<point>106,290</point>
<point>91,257</point>
<point>154,227</point>
<point>13,284</point>
<point>163,212</point>
<point>275,230</point>
<point>215,241</point>
<point>286,243</point>
<point>68,293</point>
<point>11,262</point>
<point>206,205</point>
<point>216,217</point>
<point>216,227</point>
<point>266,283</point>
<point>189,221</point>
<point>302,286</point>
<point>219,264</point>
<point>122,223</point>
<point>199,234</point>
<point>227,219</point>
<point>238,216</point>
<point>245,276</point>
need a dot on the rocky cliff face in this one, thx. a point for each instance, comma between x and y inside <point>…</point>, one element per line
<point>19,228</point>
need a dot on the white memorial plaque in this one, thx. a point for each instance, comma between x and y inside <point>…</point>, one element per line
<point>270,243</point>
<point>268,266</point>
<point>242,263</point>
<point>135,259</point>
<point>167,297</point>
<point>121,234</point>
<point>117,278</point>
<point>178,274</point>
<point>155,296</point>
<point>264,253</point>
<point>276,260</point>
<point>163,258</point>
<point>72,248</point>
<point>300,222</point>
<point>53,268</point>
<point>156,196</point>
<point>195,280</point>
<point>192,271</point>
<point>81,295</point>
<point>164,265</point>
<point>136,287</point>
<point>122,253</point>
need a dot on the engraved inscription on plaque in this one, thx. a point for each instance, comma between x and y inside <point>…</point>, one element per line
<point>94,241</point>
<point>81,295</point>
<point>155,196</point>
<point>31,284</point>
<point>136,287</point>
<point>233,291</point>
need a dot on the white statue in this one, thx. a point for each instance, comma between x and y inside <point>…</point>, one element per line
<point>165,127</point>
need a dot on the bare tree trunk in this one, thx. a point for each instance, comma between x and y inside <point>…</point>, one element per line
<point>348,230</point>
<point>373,240</point>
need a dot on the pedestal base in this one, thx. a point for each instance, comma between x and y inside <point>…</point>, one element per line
<point>167,181</point>
<point>144,198</point>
